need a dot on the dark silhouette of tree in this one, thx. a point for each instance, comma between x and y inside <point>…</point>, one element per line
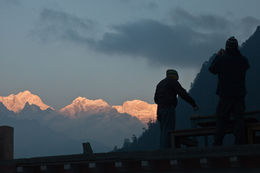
<point>148,140</point>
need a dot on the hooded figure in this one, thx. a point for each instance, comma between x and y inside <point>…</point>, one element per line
<point>166,99</point>
<point>230,67</point>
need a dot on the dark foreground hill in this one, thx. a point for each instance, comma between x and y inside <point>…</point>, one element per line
<point>204,85</point>
<point>203,90</point>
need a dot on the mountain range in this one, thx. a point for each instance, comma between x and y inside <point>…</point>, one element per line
<point>41,130</point>
<point>142,110</point>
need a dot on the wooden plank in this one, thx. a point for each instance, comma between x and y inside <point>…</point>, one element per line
<point>252,128</point>
<point>177,135</point>
<point>201,117</point>
<point>206,131</point>
<point>194,132</point>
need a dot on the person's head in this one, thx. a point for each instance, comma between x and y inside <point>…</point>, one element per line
<point>231,44</point>
<point>173,74</point>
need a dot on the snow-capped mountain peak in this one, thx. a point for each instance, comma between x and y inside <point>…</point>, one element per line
<point>82,104</point>
<point>17,102</point>
<point>138,108</point>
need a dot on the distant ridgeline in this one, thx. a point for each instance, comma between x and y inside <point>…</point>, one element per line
<point>207,100</point>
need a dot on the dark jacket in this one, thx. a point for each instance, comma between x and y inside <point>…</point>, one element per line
<point>166,93</point>
<point>231,70</point>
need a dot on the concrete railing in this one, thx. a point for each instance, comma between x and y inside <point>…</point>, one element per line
<point>229,159</point>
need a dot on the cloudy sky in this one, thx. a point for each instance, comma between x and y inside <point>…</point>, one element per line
<point>116,50</point>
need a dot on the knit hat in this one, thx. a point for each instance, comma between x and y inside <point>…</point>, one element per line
<point>172,74</point>
<point>232,43</point>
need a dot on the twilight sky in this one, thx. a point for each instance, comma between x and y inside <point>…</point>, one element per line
<point>116,50</point>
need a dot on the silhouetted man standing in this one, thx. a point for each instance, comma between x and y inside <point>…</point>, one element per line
<point>166,99</point>
<point>231,67</point>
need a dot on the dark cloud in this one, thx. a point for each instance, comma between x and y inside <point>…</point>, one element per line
<point>248,25</point>
<point>187,40</point>
<point>55,24</point>
<point>250,21</point>
<point>160,43</point>
<point>203,22</point>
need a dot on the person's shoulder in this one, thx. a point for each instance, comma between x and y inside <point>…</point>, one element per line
<point>219,58</point>
<point>162,81</point>
<point>222,56</point>
<point>165,79</point>
<point>169,80</point>
<point>174,82</point>
<point>243,58</point>
<point>246,62</point>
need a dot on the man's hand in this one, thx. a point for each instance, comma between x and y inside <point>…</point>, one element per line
<point>196,108</point>
<point>221,52</point>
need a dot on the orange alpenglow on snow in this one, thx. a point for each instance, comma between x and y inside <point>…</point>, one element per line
<point>142,110</point>
<point>145,112</point>
<point>82,104</point>
<point>17,102</point>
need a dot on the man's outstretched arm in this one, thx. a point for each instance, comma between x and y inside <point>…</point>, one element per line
<point>185,96</point>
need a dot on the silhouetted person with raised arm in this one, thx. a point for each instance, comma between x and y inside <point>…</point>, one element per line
<point>231,67</point>
<point>166,99</point>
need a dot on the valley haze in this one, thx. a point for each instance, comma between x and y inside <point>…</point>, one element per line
<point>95,121</point>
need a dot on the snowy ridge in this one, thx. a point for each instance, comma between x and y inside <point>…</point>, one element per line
<point>17,102</point>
